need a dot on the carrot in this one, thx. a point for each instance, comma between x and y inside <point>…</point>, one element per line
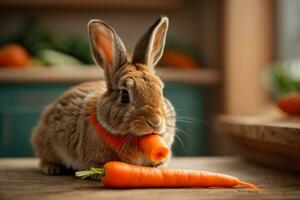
<point>178,60</point>
<point>122,175</point>
<point>151,145</point>
<point>14,55</point>
<point>154,147</point>
<point>290,104</point>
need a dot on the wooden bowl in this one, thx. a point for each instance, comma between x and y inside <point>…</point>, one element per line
<point>272,141</point>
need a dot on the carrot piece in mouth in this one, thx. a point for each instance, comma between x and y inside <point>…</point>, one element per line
<point>154,147</point>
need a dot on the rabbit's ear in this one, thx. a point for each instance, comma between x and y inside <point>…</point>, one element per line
<point>150,47</point>
<point>107,48</point>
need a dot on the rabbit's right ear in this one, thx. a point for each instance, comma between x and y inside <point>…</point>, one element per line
<point>107,48</point>
<point>150,47</point>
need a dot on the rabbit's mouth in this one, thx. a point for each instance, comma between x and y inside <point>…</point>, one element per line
<point>143,127</point>
<point>139,132</point>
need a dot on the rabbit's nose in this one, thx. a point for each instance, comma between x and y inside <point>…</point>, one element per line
<point>154,121</point>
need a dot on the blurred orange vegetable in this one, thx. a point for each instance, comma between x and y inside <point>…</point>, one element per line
<point>290,104</point>
<point>178,60</point>
<point>14,55</point>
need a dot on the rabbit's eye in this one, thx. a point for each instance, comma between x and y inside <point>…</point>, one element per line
<point>124,96</point>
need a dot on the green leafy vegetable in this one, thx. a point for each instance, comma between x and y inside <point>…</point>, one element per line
<point>285,79</point>
<point>33,37</point>
<point>51,57</point>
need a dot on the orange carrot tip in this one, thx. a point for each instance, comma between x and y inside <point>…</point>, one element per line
<point>250,186</point>
<point>122,175</point>
<point>154,147</point>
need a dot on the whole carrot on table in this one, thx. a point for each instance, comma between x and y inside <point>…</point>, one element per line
<point>122,175</point>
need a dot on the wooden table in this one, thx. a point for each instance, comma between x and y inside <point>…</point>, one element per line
<point>21,179</point>
<point>273,140</point>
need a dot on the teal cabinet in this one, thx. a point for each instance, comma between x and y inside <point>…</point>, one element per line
<point>21,105</point>
<point>20,108</point>
<point>191,134</point>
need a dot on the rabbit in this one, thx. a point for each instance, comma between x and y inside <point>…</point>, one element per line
<point>129,101</point>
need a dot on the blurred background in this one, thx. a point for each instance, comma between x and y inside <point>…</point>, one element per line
<point>221,57</point>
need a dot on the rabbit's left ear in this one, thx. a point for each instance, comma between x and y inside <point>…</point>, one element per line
<point>107,48</point>
<point>150,47</point>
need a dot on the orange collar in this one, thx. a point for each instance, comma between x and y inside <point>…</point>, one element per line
<point>114,140</point>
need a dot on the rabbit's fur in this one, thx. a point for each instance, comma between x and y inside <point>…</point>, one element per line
<point>64,138</point>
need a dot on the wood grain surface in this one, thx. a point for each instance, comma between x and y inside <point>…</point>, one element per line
<point>277,130</point>
<point>21,179</point>
<point>271,140</point>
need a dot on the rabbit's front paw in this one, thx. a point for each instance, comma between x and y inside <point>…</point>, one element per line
<point>51,169</point>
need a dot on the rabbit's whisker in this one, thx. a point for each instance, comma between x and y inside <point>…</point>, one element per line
<point>178,130</point>
<point>180,141</point>
<point>188,120</point>
<point>168,111</point>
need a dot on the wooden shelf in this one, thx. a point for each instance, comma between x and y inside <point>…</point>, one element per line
<point>93,4</point>
<point>90,73</point>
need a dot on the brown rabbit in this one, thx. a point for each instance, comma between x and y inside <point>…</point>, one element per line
<point>129,102</point>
